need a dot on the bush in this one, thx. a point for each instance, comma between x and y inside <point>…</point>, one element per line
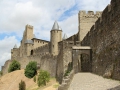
<point>15,65</point>
<point>34,78</point>
<point>43,78</point>
<point>70,67</point>
<point>66,73</point>
<point>1,73</point>
<point>31,69</point>
<point>22,85</point>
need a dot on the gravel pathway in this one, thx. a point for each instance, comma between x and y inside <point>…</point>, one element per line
<point>88,81</point>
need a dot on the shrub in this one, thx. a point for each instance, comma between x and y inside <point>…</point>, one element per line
<point>31,69</point>
<point>34,78</point>
<point>15,65</point>
<point>22,85</point>
<point>70,67</point>
<point>66,73</point>
<point>1,73</point>
<point>43,78</point>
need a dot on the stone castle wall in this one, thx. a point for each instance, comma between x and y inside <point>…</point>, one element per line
<point>4,68</point>
<point>64,58</point>
<point>45,62</point>
<point>73,38</point>
<point>39,43</point>
<point>42,50</point>
<point>15,52</point>
<point>104,39</point>
<point>48,62</point>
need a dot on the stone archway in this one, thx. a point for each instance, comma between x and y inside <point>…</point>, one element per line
<point>82,61</point>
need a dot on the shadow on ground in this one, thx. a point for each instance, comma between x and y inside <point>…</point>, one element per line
<point>115,88</point>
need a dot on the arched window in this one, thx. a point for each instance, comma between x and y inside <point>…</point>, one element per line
<point>31,52</point>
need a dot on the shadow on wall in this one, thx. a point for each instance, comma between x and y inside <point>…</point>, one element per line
<point>115,88</point>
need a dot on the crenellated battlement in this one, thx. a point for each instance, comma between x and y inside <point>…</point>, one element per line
<point>41,49</point>
<point>29,26</point>
<point>90,14</point>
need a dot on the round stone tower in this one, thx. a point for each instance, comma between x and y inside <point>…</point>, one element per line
<point>56,36</point>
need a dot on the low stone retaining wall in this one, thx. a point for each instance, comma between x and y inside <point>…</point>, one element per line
<point>66,81</point>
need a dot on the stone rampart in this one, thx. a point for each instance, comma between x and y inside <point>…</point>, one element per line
<point>73,38</point>
<point>41,50</point>
<point>104,39</point>
<point>4,68</point>
<point>66,81</point>
<point>64,58</point>
<point>45,61</point>
<point>89,14</point>
<point>48,62</point>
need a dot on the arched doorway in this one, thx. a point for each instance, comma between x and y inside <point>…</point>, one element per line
<point>82,61</point>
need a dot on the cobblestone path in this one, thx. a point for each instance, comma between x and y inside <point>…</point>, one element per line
<point>88,81</point>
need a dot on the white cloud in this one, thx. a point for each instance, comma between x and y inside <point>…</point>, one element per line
<point>70,25</point>
<point>5,48</point>
<point>93,4</point>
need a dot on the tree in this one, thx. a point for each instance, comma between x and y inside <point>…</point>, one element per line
<point>22,85</point>
<point>31,69</point>
<point>15,65</point>
<point>43,78</point>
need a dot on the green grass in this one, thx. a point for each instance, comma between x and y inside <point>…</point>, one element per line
<point>56,86</point>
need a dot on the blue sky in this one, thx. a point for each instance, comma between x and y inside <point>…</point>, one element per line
<point>41,14</point>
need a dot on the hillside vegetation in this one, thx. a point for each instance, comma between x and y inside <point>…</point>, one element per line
<point>11,81</point>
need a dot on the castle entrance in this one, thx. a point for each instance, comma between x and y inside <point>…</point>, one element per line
<point>82,59</point>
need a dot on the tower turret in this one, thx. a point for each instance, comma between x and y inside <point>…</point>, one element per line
<point>86,21</point>
<point>64,37</point>
<point>14,53</point>
<point>28,32</point>
<point>56,36</point>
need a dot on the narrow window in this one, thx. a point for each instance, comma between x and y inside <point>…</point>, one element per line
<point>31,52</point>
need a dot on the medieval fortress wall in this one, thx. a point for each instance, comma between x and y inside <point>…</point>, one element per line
<point>104,39</point>
<point>100,31</point>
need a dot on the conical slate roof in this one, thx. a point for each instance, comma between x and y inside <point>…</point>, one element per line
<point>15,46</point>
<point>64,37</point>
<point>55,26</point>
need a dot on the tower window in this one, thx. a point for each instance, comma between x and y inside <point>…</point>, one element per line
<point>53,46</point>
<point>31,52</point>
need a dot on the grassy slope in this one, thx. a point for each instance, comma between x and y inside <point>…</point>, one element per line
<point>11,81</point>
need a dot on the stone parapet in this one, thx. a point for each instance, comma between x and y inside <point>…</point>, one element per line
<point>66,81</point>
